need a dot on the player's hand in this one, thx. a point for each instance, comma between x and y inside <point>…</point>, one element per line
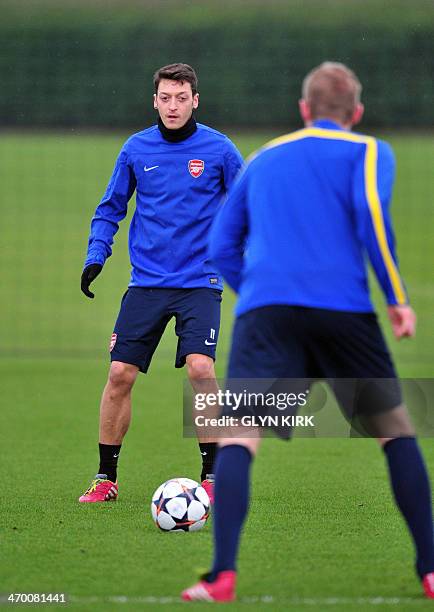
<point>403,320</point>
<point>88,276</point>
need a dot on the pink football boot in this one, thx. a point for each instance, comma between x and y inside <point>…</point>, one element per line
<point>428,585</point>
<point>208,485</point>
<point>222,589</point>
<point>101,490</point>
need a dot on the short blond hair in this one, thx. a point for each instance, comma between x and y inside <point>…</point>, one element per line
<point>332,91</point>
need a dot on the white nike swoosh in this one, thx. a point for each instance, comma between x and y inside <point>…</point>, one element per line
<point>146,169</point>
<point>203,453</point>
<point>209,343</point>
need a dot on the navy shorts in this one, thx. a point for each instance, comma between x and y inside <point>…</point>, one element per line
<point>290,342</point>
<point>145,313</point>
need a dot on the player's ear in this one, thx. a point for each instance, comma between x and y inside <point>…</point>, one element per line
<point>305,113</point>
<point>195,100</point>
<point>357,114</point>
<point>155,101</point>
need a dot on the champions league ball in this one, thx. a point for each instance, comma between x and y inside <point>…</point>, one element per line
<point>180,504</point>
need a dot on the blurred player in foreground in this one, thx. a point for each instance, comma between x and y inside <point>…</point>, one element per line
<point>180,171</point>
<point>310,205</point>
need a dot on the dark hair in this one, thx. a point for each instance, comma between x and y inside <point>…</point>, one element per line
<point>176,72</point>
<point>332,90</point>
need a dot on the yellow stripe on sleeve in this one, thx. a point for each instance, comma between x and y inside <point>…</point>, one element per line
<point>378,220</point>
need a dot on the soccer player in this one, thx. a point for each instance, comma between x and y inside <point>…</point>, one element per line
<point>310,205</point>
<point>180,171</point>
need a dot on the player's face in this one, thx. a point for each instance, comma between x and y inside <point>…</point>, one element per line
<point>175,102</point>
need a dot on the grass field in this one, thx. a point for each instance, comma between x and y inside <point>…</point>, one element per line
<point>323,532</point>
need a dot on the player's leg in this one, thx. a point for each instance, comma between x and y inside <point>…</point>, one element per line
<point>354,348</point>
<point>197,313</point>
<point>260,350</point>
<point>115,415</point>
<point>232,484</point>
<point>138,330</point>
<point>201,374</point>
<point>412,492</point>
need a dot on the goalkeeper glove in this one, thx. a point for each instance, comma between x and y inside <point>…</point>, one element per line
<point>88,276</point>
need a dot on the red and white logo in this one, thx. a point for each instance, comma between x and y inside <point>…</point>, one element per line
<point>113,342</point>
<point>196,167</point>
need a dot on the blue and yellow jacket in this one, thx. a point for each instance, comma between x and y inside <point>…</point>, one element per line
<point>298,223</point>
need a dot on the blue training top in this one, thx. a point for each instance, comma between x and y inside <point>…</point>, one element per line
<point>179,187</point>
<point>297,224</point>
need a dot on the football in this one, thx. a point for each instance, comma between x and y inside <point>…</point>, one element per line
<point>180,504</point>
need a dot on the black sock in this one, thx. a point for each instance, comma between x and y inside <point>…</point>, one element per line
<point>208,450</point>
<point>412,492</point>
<point>108,460</point>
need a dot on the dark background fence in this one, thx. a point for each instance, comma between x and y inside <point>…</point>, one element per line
<point>93,65</point>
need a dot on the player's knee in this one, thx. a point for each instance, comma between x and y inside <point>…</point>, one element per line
<point>122,375</point>
<point>394,424</point>
<point>200,367</point>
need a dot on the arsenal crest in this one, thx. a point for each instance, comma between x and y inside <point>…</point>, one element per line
<point>113,342</point>
<point>196,167</point>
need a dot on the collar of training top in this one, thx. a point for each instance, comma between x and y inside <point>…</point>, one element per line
<point>328,124</point>
<point>187,130</point>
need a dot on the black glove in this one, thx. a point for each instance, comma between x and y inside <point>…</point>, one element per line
<point>89,275</point>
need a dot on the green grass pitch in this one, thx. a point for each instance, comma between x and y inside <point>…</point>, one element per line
<point>323,532</point>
